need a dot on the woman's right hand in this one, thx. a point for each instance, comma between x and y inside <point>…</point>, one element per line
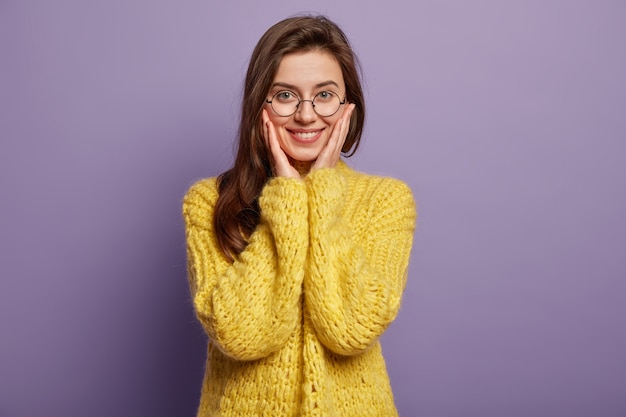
<point>280,163</point>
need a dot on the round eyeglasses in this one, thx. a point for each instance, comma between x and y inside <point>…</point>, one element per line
<point>325,103</point>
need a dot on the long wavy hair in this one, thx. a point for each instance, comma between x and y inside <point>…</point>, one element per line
<point>237,210</point>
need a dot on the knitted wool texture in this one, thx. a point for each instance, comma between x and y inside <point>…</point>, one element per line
<point>294,321</point>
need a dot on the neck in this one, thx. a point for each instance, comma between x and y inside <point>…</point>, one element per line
<point>302,167</point>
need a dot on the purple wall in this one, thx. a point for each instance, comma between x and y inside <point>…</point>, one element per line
<point>506,118</point>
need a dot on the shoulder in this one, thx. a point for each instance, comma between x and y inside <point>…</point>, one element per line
<point>379,189</point>
<point>200,199</point>
<point>204,190</point>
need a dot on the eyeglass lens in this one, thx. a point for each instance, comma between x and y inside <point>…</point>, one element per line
<point>286,103</point>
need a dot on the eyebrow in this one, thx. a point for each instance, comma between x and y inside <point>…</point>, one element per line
<point>293,87</point>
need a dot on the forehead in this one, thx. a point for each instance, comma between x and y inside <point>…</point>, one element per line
<point>305,70</point>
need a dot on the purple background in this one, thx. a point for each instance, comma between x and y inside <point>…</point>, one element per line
<point>508,120</point>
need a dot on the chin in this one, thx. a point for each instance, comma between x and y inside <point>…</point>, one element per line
<point>304,158</point>
<point>303,155</point>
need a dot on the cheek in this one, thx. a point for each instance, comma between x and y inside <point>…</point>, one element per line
<point>332,120</point>
<point>276,120</point>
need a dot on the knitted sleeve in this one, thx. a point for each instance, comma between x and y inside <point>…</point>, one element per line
<point>358,268</point>
<point>249,308</point>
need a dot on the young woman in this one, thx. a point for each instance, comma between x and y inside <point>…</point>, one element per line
<point>296,262</point>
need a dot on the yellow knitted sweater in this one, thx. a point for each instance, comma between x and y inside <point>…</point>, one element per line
<point>294,321</point>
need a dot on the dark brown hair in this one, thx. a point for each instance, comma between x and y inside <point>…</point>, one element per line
<point>237,210</point>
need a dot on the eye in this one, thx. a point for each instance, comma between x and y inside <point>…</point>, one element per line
<point>285,96</point>
<point>323,96</point>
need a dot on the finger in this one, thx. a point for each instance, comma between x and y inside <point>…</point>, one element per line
<point>273,141</point>
<point>344,127</point>
<point>282,166</point>
<point>331,153</point>
<point>349,112</point>
<point>271,138</point>
<point>335,134</point>
<point>269,134</point>
<point>265,119</point>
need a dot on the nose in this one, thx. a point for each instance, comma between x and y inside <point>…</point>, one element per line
<point>305,112</point>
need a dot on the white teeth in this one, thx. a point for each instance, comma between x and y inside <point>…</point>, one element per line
<point>306,135</point>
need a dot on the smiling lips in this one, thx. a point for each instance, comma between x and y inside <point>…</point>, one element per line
<point>306,135</point>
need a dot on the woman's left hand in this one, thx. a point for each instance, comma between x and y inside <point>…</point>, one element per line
<point>329,156</point>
